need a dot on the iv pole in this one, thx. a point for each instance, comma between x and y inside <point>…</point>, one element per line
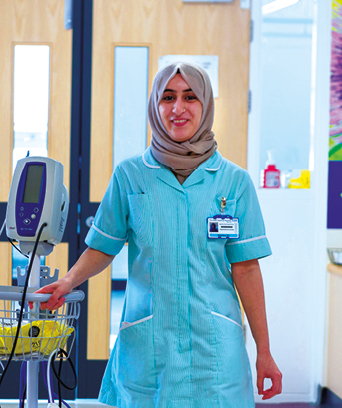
<point>32,365</point>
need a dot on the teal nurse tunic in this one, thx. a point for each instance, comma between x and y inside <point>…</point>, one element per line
<point>181,342</point>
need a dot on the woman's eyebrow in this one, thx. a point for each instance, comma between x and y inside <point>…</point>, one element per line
<point>172,90</point>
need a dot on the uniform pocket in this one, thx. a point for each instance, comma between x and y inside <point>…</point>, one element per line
<point>225,327</point>
<point>234,375</point>
<point>229,208</point>
<point>135,356</point>
<point>125,325</point>
<point>216,210</point>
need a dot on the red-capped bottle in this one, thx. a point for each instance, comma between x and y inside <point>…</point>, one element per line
<point>271,177</point>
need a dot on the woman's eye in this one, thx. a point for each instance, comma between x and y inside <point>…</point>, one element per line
<point>167,98</point>
<point>191,97</point>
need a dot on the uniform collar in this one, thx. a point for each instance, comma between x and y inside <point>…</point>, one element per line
<point>213,164</point>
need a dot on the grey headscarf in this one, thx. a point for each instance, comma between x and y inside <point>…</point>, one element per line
<point>182,157</point>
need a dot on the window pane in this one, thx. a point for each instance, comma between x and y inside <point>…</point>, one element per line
<point>130,101</point>
<point>31,100</point>
<point>286,52</point>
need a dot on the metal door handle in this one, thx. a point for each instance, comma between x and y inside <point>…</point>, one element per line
<point>89,221</point>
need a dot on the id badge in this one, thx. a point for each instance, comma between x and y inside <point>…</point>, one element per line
<point>223,226</point>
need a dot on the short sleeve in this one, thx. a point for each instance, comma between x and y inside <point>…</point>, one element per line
<point>252,242</point>
<point>108,233</point>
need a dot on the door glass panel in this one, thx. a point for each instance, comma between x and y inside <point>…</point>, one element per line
<point>130,101</point>
<point>30,114</point>
<point>117,301</point>
<point>31,100</point>
<point>286,105</point>
<point>131,67</point>
<point>120,265</point>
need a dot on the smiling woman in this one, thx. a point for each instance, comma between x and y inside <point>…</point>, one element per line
<point>180,110</point>
<point>180,339</point>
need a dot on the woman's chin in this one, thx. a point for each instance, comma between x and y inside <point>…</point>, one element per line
<point>180,137</point>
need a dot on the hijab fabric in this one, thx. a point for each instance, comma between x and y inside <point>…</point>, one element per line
<point>183,157</point>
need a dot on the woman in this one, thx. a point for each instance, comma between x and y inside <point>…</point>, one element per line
<point>181,342</point>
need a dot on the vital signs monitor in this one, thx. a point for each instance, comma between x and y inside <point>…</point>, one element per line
<point>37,195</point>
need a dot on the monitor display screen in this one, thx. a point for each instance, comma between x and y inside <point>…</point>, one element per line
<point>33,183</point>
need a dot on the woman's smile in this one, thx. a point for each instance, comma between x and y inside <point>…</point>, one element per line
<point>180,110</point>
<point>179,122</point>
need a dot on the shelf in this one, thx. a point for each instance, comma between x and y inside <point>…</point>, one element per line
<point>334,269</point>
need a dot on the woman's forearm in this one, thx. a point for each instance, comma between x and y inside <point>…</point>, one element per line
<point>248,281</point>
<point>90,263</point>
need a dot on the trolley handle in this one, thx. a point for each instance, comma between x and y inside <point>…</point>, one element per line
<point>15,293</point>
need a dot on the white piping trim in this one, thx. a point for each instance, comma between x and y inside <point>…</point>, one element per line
<point>247,240</point>
<point>227,318</point>
<point>107,235</point>
<point>151,166</point>
<point>125,325</point>
<point>218,166</point>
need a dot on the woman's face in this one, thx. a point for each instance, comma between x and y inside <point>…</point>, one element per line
<point>180,110</point>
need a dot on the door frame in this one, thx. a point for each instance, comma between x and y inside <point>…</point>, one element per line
<point>89,372</point>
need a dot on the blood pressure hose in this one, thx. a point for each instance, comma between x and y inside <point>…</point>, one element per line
<point>23,300</point>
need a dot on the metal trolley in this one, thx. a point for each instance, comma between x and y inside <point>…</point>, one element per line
<point>41,332</point>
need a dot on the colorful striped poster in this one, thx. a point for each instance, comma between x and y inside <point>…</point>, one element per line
<point>335,138</point>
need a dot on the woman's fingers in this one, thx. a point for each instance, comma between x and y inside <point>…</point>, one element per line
<point>52,304</point>
<point>57,290</point>
<point>266,368</point>
<point>55,301</point>
<point>274,390</point>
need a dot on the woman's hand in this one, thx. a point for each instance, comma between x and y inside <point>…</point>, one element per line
<point>267,368</point>
<point>57,289</point>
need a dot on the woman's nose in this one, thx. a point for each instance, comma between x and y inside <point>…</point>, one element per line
<point>178,107</point>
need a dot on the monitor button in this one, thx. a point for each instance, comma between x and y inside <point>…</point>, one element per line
<point>27,221</point>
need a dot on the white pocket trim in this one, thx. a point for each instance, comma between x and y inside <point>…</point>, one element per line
<point>125,325</point>
<point>227,318</point>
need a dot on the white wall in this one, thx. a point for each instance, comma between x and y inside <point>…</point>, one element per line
<point>294,276</point>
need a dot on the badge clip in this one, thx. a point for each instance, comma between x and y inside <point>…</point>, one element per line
<point>223,204</point>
